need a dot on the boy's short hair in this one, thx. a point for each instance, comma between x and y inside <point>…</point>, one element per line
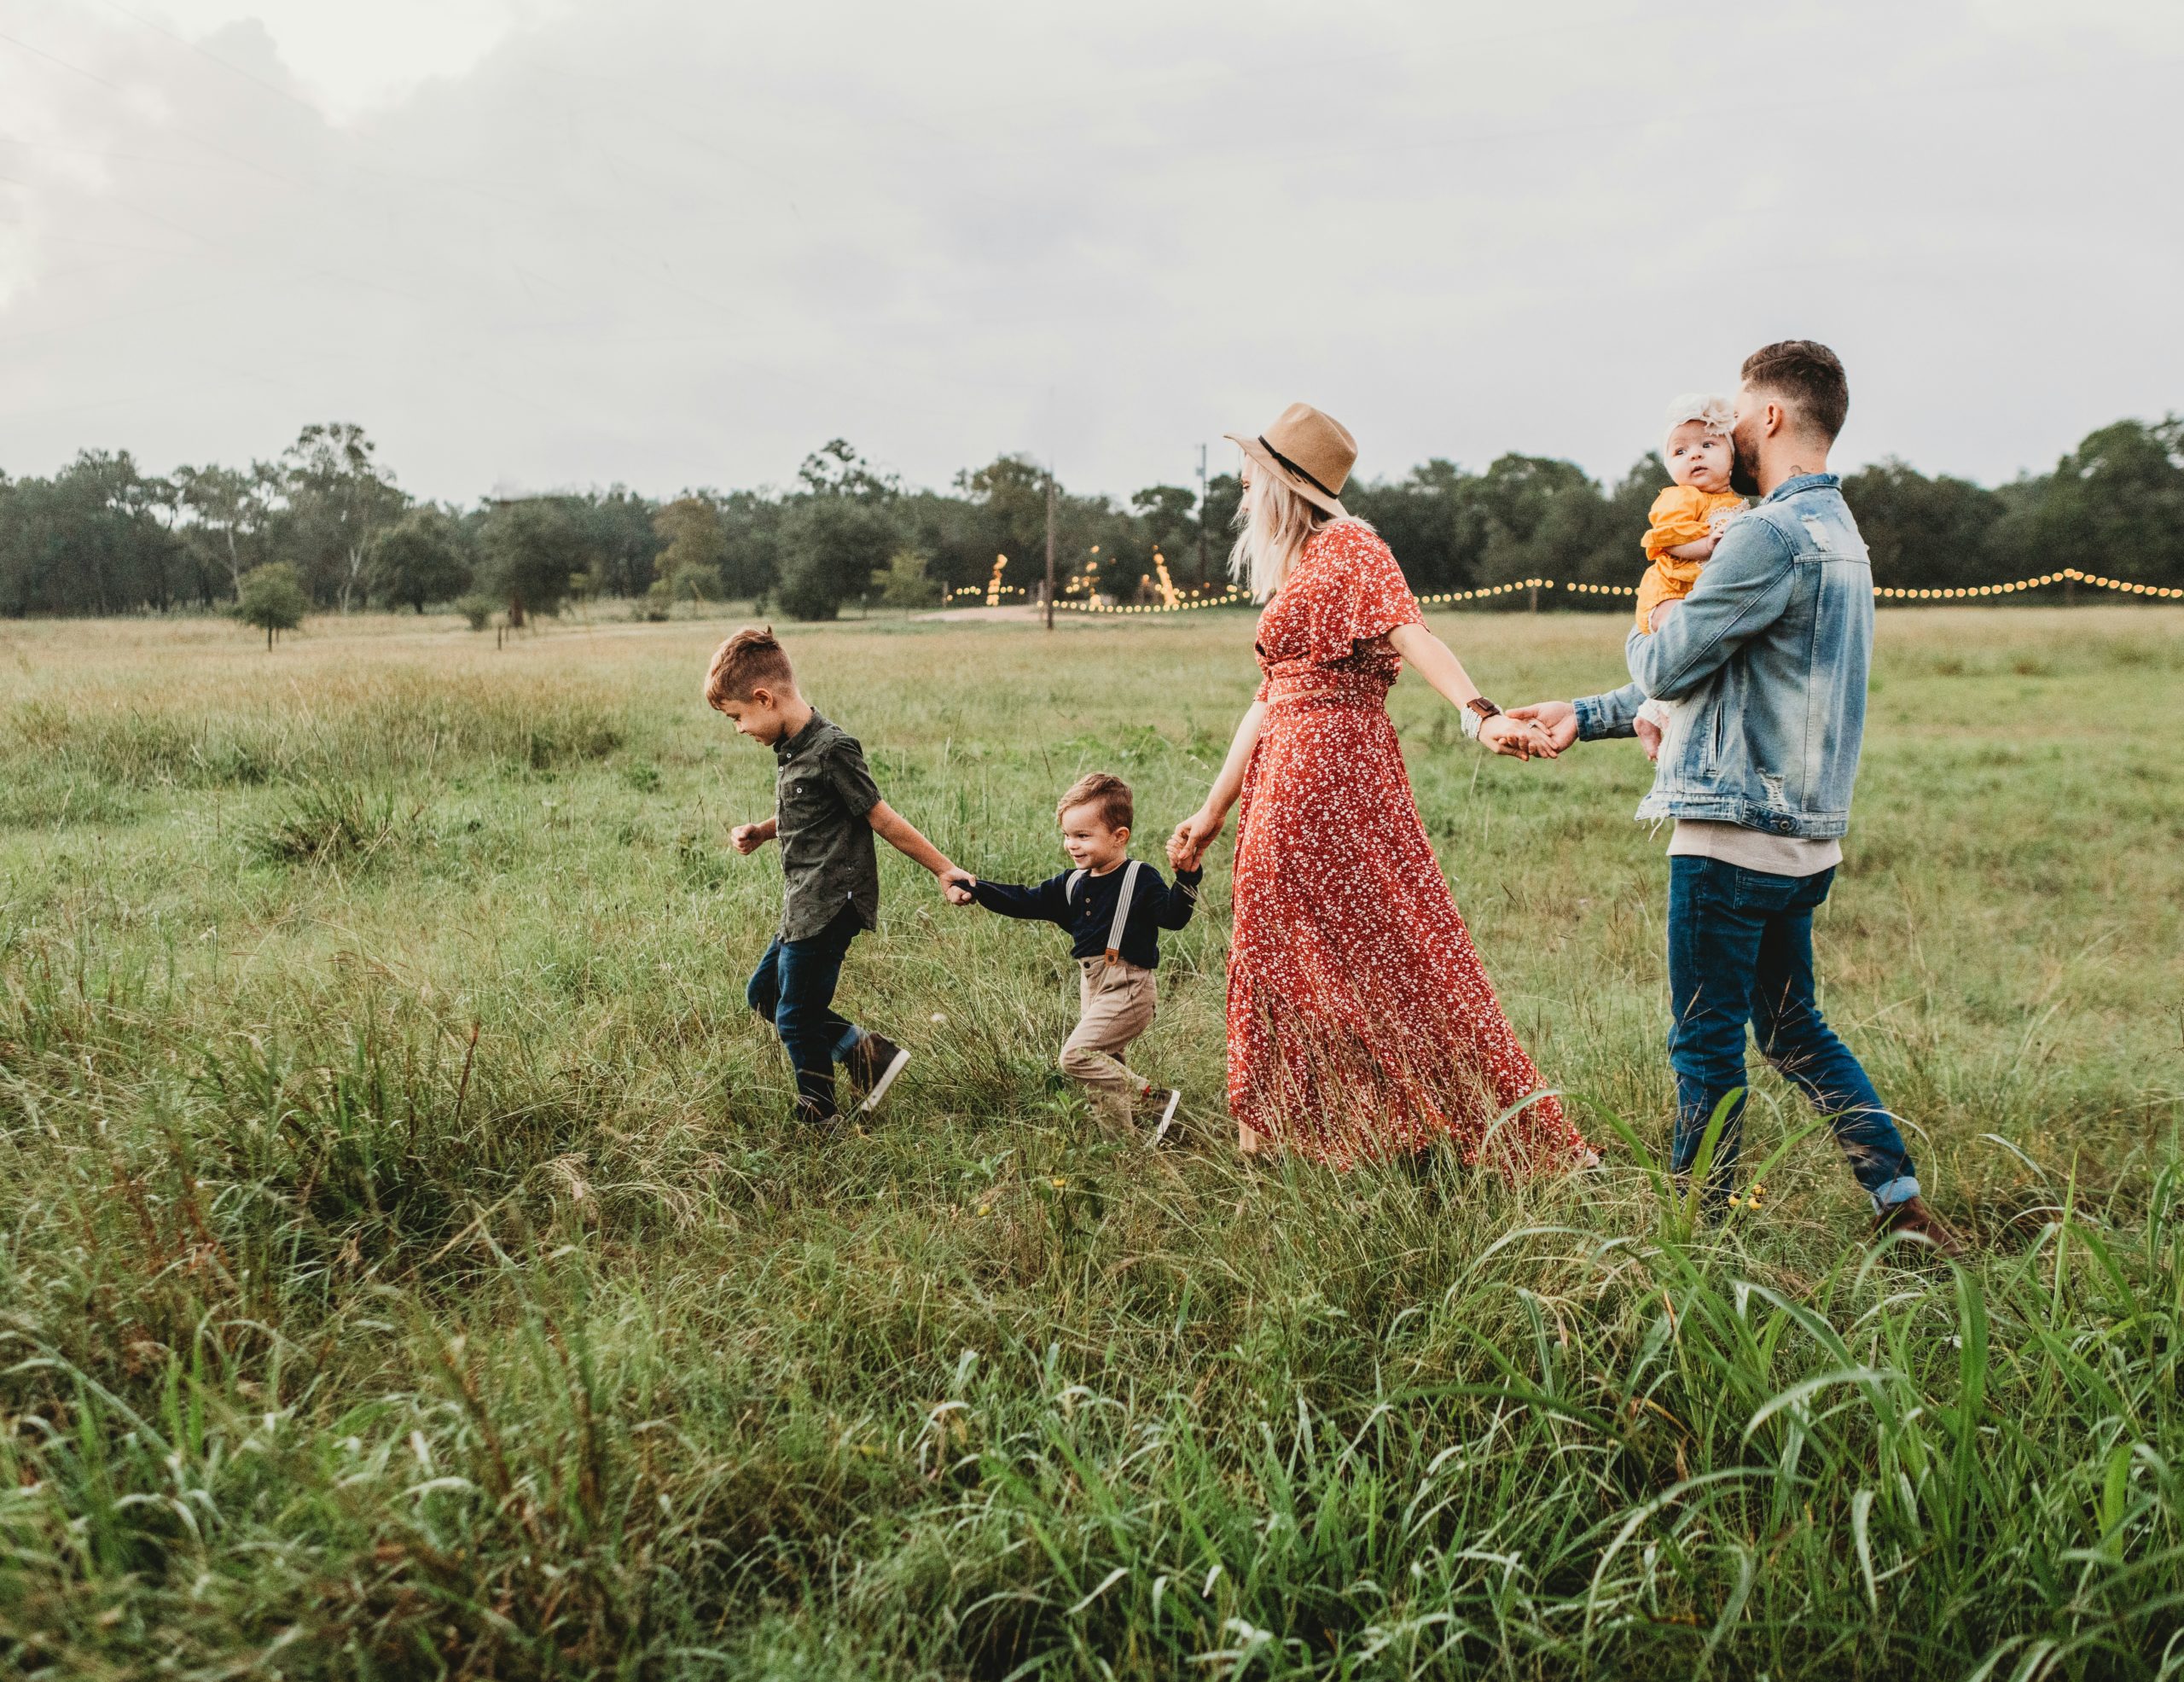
<point>747,662</point>
<point>1109,794</point>
<point>1808,374</point>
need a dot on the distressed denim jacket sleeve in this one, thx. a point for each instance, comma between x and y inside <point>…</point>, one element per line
<point>1743,590</point>
<point>1609,714</point>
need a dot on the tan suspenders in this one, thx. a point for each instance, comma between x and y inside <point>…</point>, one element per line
<point>1122,905</point>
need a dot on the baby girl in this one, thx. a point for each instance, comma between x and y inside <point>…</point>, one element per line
<point>1687,520</point>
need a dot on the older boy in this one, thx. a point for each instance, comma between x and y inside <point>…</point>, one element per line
<point>827,810</point>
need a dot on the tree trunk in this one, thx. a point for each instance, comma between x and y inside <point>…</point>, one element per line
<point>269,639</point>
<point>516,612</point>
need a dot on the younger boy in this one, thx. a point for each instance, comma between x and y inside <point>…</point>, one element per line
<point>1113,908</point>
<point>827,810</point>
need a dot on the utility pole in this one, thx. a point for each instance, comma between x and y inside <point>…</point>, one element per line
<point>1202,516</point>
<point>1050,549</point>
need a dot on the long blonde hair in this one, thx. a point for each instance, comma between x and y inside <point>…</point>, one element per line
<point>1273,526</point>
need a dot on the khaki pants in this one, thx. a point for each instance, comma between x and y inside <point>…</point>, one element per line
<point>1115,1005</point>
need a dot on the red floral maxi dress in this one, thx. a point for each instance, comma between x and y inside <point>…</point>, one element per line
<point>1361,1024</point>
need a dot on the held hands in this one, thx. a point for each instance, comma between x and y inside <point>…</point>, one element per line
<point>1557,719</point>
<point>748,838</point>
<point>1187,846</point>
<point>1518,738</point>
<point>955,884</point>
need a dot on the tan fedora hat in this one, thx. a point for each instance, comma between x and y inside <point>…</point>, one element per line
<point>1311,452</point>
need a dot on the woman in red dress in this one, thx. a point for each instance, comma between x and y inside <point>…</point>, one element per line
<point>1361,1024</point>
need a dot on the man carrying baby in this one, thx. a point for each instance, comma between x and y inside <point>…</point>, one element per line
<point>1769,651</point>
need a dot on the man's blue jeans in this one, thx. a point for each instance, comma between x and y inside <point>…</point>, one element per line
<point>794,988</point>
<point>1740,952</point>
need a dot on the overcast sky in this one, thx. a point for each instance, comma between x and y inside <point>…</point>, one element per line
<point>675,242</point>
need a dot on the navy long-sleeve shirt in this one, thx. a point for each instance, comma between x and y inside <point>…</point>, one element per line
<point>1089,914</point>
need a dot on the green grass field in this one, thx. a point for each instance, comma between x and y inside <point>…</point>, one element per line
<point>407,1269</point>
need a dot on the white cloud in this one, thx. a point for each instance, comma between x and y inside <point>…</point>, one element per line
<point>349,55</point>
<point>2157,25</point>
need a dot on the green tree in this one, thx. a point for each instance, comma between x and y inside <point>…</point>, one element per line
<point>836,470</point>
<point>751,523</point>
<point>619,533</point>
<point>952,532</point>
<point>422,557</point>
<point>95,538</point>
<point>1224,495</point>
<point>2114,506</point>
<point>904,583</point>
<point>228,509</point>
<point>272,598</point>
<point>1011,491</point>
<point>1003,511</point>
<point>836,532</point>
<point>1922,532</point>
<point>831,546</point>
<point>337,497</point>
<point>533,549</point>
<point>690,581</point>
<point>1430,519</point>
<point>1167,516</point>
<point>1540,517</point>
<point>692,544</point>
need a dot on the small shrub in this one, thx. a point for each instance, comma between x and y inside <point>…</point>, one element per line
<point>327,825</point>
<point>478,610</point>
<point>271,598</point>
<point>904,583</point>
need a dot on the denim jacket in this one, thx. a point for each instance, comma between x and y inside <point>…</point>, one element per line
<point>1769,653</point>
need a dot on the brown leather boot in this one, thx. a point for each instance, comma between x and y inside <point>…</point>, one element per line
<point>1912,1216</point>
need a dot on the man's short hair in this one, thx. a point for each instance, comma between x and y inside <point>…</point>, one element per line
<point>1809,376</point>
<point>1109,794</point>
<point>750,661</point>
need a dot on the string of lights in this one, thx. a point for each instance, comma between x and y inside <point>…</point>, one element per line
<point>1452,597</point>
<point>1183,604</point>
<point>2070,574</point>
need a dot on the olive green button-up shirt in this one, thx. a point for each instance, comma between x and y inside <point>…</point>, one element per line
<point>823,793</point>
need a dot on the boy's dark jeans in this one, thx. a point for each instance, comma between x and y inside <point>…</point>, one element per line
<point>794,988</point>
<point>1740,951</point>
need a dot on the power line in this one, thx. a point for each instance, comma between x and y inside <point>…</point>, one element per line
<point>183,42</point>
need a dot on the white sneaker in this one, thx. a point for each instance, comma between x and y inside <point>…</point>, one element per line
<point>1162,1133</point>
<point>872,1066</point>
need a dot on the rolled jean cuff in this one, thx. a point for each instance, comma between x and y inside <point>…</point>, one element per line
<point>850,1041</point>
<point>1898,1191</point>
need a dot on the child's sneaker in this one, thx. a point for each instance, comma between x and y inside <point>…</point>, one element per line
<point>872,1067</point>
<point>1164,1133</point>
<point>823,1118</point>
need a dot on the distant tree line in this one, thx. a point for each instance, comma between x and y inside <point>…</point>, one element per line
<point>102,537</point>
